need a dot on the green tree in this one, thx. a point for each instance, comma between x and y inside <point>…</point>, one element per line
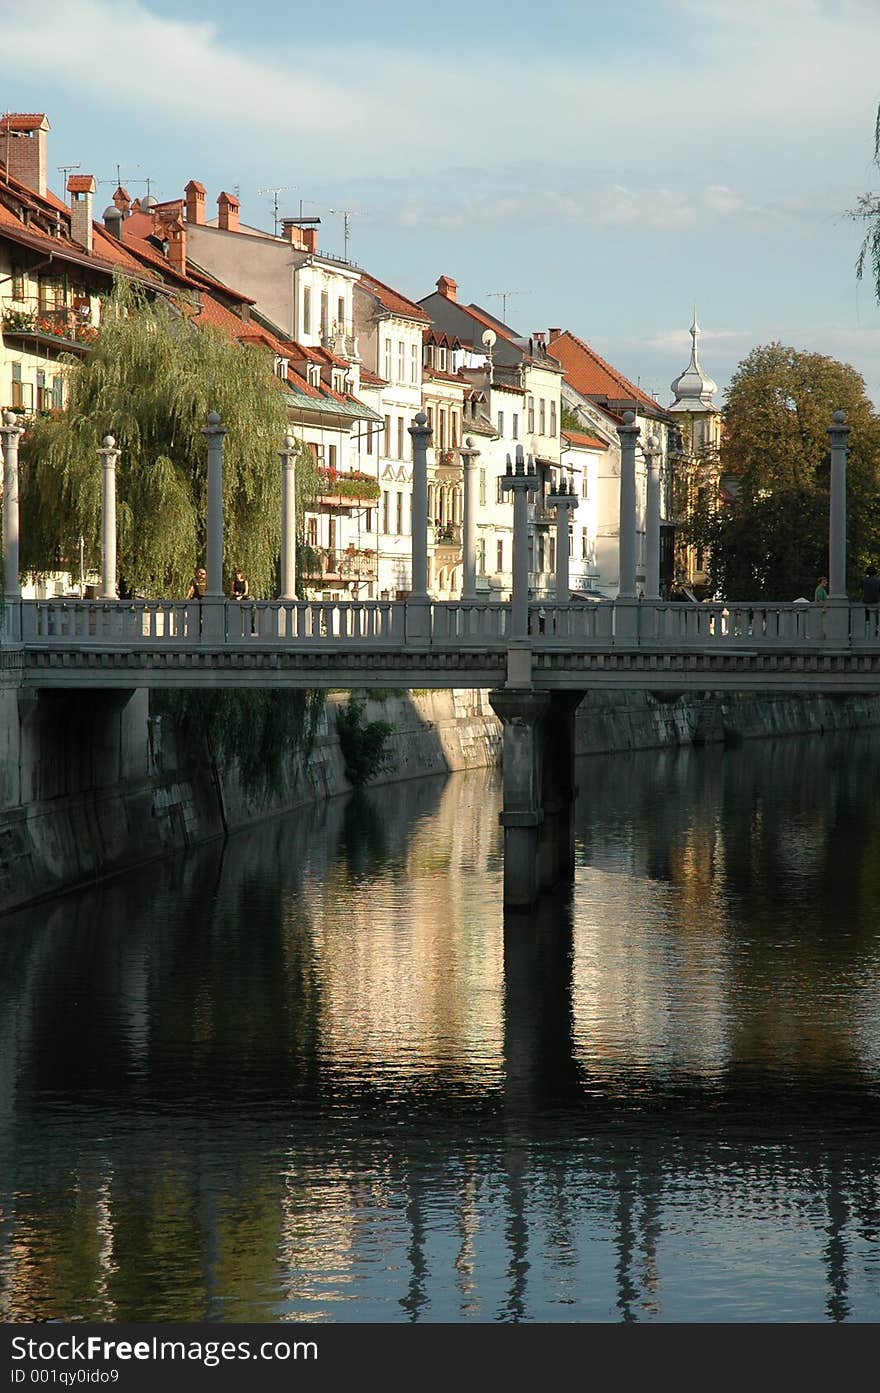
<point>150,381</point>
<point>867,212</point>
<point>773,541</point>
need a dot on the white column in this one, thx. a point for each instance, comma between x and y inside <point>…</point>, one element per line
<point>288,518</point>
<point>652,519</point>
<point>10,433</point>
<point>629,434</point>
<point>837,434</point>
<point>214,434</point>
<point>420,434</point>
<point>469,457</point>
<point>109,456</point>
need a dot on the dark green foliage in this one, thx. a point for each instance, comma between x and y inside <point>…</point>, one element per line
<point>257,729</point>
<point>362,745</point>
<point>772,543</point>
<point>867,211</point>
<point>150,381</point>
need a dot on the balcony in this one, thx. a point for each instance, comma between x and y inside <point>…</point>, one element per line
<point>327,564</point>
<point>60,327</point>
<point>345,491</point>
<point>448,535</point>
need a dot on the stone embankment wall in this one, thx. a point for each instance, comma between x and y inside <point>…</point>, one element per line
<point>91,785</point>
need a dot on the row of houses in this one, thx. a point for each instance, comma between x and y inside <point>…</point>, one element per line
<point>358,360</point>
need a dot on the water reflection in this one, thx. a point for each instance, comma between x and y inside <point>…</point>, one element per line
<point>316,1074</point>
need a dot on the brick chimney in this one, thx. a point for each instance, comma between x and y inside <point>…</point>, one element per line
<point>195,202</point>
<point>227,212</point>
<point>448,288</point>
<point>169,225</point>
<point>310,239</point>
<point>81,188</point>
<point>23,148</point>
<point>122,200</point>
<point>292,232</point>
<point>554,334</point>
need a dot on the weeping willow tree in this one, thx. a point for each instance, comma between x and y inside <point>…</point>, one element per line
<point>150,381</point>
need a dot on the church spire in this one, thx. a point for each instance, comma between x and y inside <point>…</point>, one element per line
<point>693,390</point>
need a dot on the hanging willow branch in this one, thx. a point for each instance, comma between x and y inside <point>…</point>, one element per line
<point>151,380</point>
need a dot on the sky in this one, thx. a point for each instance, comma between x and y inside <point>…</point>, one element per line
<point>606,166</point>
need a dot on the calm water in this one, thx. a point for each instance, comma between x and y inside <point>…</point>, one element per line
<point>315,1075</point>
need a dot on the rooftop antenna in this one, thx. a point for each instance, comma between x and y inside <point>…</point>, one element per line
<point>504,296</point>
<point>281,188</point>
<point>346,214</point>
<point>65,169</point>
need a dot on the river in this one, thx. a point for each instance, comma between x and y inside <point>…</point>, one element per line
<point>314,1074</point>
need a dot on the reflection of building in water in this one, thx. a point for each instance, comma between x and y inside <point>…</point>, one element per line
<point>417,992</point>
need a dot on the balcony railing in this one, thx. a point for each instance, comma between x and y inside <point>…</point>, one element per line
<point>48,324</point>
<point>447,535</point>
<point>329,563</point>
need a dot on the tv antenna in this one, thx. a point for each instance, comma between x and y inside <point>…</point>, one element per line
<point>66,169</point>
<point>504,296</point>
<point>281,188</point>
<point>346,214</point>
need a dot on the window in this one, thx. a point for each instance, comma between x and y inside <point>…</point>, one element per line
<point>400,454</point>
<point>541,417</point>
<point>22,392</point>
<point>368,519</point>
<point>52,293</point>
<point>369,437</point>
<point>453,429</point>
<point>481,555</point>
<point>387,441</point>
<point>442,427</point>
<point>401,361</point>
<point>430,414</point>
<point>399,512</point>
<point>340,313</point>
<point>18,291</point>
<point>553,418</point>
<point>515,431</point>
<point>414,363</point>
<point>482,488</point>
<point>312,531</point>
<point>499,492</point>
<point>585,485</point>
<point>501,423</point>
<point>44,393</point>
<point>58,392</point>
<point>386,510</point>
<point>530,407</point>
<point>441,359</point>
<point>500,556</point>
<point>584,545</point>
<point>332,456</point>
<point>387,360</point>
<point>552,565</point>
<point>325,314</point>
<point>307,309</point>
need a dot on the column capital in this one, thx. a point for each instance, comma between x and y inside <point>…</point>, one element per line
<point>469,453</point>
<point>420,431</point>
<point>11,429</point>
<point>108,451</point>
<point>651,448</point>
<point>838,430</point>
<point>629,430</point>
<point>290,451</point>
<point>214,429</point>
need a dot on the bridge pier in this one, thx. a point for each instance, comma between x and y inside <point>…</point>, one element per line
<point>538,789</point>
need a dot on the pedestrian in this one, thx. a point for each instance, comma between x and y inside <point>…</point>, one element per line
<point>821,592</point>
<point>240,589</point>
<point>198,585</point>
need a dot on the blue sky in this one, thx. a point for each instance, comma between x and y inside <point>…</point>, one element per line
<point>614,164</point>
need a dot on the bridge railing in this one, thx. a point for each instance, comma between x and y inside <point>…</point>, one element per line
<point>454,624</point>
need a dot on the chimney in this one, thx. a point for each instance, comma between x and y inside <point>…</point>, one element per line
<point>23,148</point>
<point>554,334</point>
<point>123,201</point>
<point>310,239</point>
<point>292,232</point>
<point>227,208</point>
<point>175,233</point>
<point>81,188</point>
<point>448,288</point>
<point>113,221</point>
<point>195,202</point>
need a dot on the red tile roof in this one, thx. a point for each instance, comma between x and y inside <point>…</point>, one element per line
<point>591,375</point>
<point>579,437</point>
<point>81,183</point>
<point>390,299</point>
<point>24,121</point>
